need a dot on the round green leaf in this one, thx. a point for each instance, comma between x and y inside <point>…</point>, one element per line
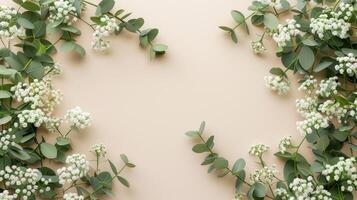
<point>48,150</point>
<point>270,21</point>
<point>306,57</point>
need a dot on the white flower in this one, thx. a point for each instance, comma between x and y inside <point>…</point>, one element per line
<point>8,29</point>
<point>347,64</point>
<point>7,139</point>
<point>72,196</point>
<point>77,167</point>
<point>264,175</point>
<point>107,27</point>
<point>308,85</point>
<point>313,121</point>
<point>306,106</point>
<point>63,11</point>
<point>328,87</point>
<point>39,93</point>
<point>305,189</point>
<point>333,109</point>
<point>285,33</point>
<point>36,117</point>
<point>278,84</point>
<point>99,150</point>
<point>353,110</point>
<point>5,195</point>
<point>78,119</point>
<point>52,124</point>
<point>258,150</point>
<point>258,47</point>
<point>54,70</point>
<point>19,177</point>
<point>344,172</point>
<point>284,144</point>
<point>330,22</point>
<point>272,3</point>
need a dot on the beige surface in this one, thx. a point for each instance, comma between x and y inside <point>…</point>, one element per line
<point>142,107</point>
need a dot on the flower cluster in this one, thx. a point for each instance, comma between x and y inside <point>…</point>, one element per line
<point>328,87</point>
<point>333,109</point>
<point>264,175</point>
<point>306,105</point>
<point>77,167</point>
<point>52,124</point>
<point>313,122</point>
<point>258,47</point>
<point>309,85</point>
<point>284,144</point>
<point>303,189</point>
<point>63,11</point>
<point>36,117</point>
<point>344,172</point>
<point>78,119</point>
<point>72,196</point>
<point>347,64</point>
<point>7,138</point>
<point>272,3</point>
<point>22,180</point>
<point>39,93</point>
<point>8,27</point>
<point>99,150</point>
<point>285,33</point>
<point>330,22</point>
<point>258,150</point>
<point>277,84</point>
<point>107,27</point>
<point>5,195</point>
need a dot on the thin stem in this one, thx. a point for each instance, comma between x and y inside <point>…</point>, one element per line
<point>70,130</point>
<point>27,64</point>
<point>2,41</point>
<point>84,21</point>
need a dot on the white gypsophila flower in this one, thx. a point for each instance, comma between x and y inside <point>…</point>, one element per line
<point>239,196</point>
<point>344,11</point>
<point>77,167</point>
<point>328,23</point>
<point>36,117</point>
<point>332,109</point>
<point>77,118</point>
<point>107,27</point>
<point>99,149</point>
<point>24,181</point>
<point>5,195</point>
<point>7,139</point>
<point>282,194</point>
<point>307,105</point>
<point>258,47</point>
<point>272,3</point>
<point>353,110</point>
<point>258,150</point>
<point>40,94</point>
<point>284,144</point>
<point>328,87</point>
<point>309,85</point>
<point>72,196</point>
<point>347,64</point>
<point>344,172</point>
<point>63,11</point>
<point>264,175</point>
<point>313,122</point>
<point>55,70</point>
<point>285,33</point>
<point>52,124</point>
<point>307,190</point>
<point>277,84</point>
<point>8,27</point>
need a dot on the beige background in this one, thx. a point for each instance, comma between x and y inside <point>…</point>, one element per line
<point>143,108</point>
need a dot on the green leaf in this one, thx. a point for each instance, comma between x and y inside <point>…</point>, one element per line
<point>310,42</point>
<point>226,28</point>
<point>123,181</point>
<point>104,6</point>
<point>35,70</point>
<point>61,141</point>
<point>306,57</point>
<point>322,143</point>
<point>159,48</point>
<point>323,65</point>
<point>270,21</point>
<point>31,6</point>
<point>238,166</point>
<point>71,29</point>
<point>72,46</point>
<point>316,167</point>
<point>5,94</point>
<point>124,158</point>
<point>112,166</point>
<point>202,127</point>
<point>200,148</point>
<point>192,134</point>
<point>238,16</point>
<point>277,71</point>
<point>234,37</point>
<point>25,23</point>
<point>19,154</point>
<point>5,119</point>
<point>48,150</point>
<point>220,163</point>
<point>259,190</point>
